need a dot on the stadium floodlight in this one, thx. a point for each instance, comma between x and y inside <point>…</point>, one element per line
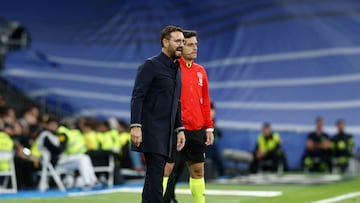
<point>13,36</point>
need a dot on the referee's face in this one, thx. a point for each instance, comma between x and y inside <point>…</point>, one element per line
<point>190,48</point>
<point>175,44</point>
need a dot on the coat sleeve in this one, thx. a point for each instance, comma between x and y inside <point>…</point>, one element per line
<point>178,120</point>
<point>178,124</point>
<point>144,77</point>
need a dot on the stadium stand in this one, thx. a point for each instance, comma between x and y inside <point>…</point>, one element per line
<point>281,62</point>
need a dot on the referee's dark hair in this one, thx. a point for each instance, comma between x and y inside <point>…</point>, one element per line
<point>212,105</point>
<point>165,33</point>
<point>189,33</point>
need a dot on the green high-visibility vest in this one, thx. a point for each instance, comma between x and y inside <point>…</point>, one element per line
<point>91,141</point>
<point>75,141</point>
<point>35,152</point>
<point>109,140</point>
<point>267,145</point>
<point>6,144</point>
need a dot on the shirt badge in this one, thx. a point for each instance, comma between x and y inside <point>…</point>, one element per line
<point>200,77</point>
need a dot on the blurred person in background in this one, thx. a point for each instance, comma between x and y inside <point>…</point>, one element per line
<point>88,127</point>
<point>29,117</point>
<point>11,125</point>
<point>66,154</point>
<point>342,145</point>
<point>213,151</point>
<point>317,156</point>
<point>268,154</point>
<point>48,144</point>
<point>27,159</point>
<point>25,164</point>
<point>75,141</point>
<point>108,136</point>
<point>6,145</point>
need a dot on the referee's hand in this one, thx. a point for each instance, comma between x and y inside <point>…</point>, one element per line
<point>180,141</point>
<point>209,138</point>
<point>136,136</point>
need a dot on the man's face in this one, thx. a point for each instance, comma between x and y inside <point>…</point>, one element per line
<point>266,131</point>
<point>52,126</point>
<point>341,126</point>
<point>319,124</point>
<point>190,48</point>
<point>175,44</point>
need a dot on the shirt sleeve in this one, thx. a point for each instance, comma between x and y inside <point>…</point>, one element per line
<point>206,102</point>
<point>144,77</point>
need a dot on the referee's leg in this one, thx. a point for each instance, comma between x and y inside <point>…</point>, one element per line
<point>197,181</point>
<point>153,191</point>
<point>194,153</point>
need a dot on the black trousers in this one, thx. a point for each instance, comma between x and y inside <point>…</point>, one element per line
<point>153,191</point>
<point>179,165</point>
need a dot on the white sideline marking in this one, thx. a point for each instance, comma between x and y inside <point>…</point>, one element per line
<point>185,191</point>
<point>339,198</point>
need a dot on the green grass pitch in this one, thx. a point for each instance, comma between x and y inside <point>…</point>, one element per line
<point>291,194</point>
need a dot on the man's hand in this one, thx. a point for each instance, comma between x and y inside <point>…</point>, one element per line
<point>260,154</point>
<point>136,136</point>
<point>209,138</point>
<point>180,141</point>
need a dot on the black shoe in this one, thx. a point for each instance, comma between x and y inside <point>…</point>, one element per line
<point>173,201</point>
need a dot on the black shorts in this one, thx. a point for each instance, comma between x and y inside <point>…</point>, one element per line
<point>194,149</point>
<point>174,155</point>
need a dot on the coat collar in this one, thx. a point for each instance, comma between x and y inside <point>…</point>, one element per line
<point>166,60</point>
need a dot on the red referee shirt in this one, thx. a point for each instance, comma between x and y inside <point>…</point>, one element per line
<point>195,98</point>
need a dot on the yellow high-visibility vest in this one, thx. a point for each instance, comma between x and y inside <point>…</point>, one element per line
<point>109,140</point>
<point>91,141</point>
<point>6,144</point>
<point>76,142</point>
<point>268,144</point>
<point>35,152</point>
<point>124,138</point>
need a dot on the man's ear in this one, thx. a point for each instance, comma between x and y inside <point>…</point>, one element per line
<point>165,42</point>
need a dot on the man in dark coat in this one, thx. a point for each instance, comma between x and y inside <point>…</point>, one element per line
<point>156,110</point>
